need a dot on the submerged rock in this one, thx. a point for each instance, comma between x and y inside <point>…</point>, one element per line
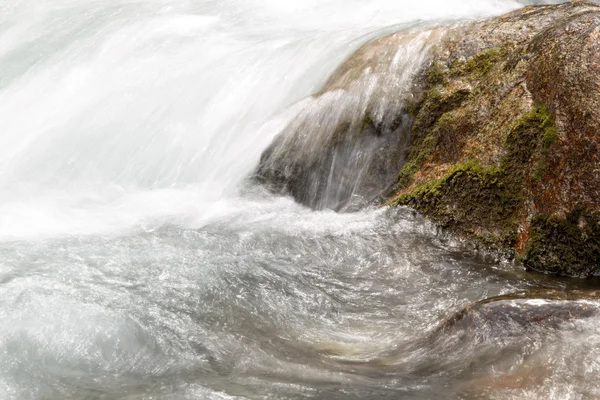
<point>539,308</point>
<point>493,134</point>
<point>484,329</point>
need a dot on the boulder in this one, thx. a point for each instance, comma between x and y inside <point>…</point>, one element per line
<point>505,140</point>
<point>491,129</point>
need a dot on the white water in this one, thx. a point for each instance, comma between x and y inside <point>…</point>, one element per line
<point>116,112</point>
<point>135,262</point>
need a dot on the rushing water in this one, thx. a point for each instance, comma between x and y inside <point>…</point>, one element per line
<point>137,262</point>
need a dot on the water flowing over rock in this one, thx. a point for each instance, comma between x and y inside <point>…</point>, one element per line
<point>494,136</point>
<point>346,144</point>
<point>548,308</point>
<point>136,262</point>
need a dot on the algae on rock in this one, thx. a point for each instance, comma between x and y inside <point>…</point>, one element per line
<point>502,165</point>
<point>496,137</point>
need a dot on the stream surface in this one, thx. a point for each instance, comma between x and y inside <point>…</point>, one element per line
<point>137,261</point>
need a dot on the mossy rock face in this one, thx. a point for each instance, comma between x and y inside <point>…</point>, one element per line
<point>505,141</point>
<point>494,134</point>
<point>565,246</point>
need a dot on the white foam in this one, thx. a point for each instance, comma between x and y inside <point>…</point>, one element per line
<point>129,102</point>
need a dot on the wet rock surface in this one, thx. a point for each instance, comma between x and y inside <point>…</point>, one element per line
<point>505,140</point>
<point>494,136</point>
<point>346,144</point>
<point>548,308</point>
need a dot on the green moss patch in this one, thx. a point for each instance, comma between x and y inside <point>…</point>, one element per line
<point>474,200</point>
<point>433,117</point>
<point>532,136</point>
<point>564,246</point>
<point>539,119</point>
<point>432,114</point>
<point>436,74</point>
<point>471,198</point>
<point>483,62</point>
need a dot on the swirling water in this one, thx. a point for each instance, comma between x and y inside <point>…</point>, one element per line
<point>137,262</point>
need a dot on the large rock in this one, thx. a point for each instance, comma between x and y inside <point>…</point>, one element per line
<point>494,135</point>
<point>505,141</point>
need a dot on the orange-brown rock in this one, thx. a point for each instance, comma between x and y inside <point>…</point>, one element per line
<point>505,141</point>
<point>494,134</point>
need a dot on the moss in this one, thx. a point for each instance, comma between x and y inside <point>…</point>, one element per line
<point>436,74</point>
<point>483,62</point>
<point>432,114</point>
<point>538,129</point>
<point>531,137</point>
<point>550,132</point>
<point>468,196</point>
<point>474,200</point>
<point>539,170</point>
<point>423,150</point>
<point>426,148</point>
<point>471,169</point>
<point>539,117</point>
<point>564,246</point>
<point>455,99</point>
<point>413,107</point>
<point>548,138</point>
<point>436,102</point>
<point>523,138</point>
<point>431,118</point>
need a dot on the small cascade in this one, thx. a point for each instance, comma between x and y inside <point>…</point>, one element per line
<point>347,142</point>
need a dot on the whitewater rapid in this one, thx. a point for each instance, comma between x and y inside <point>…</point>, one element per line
<point>117,111</point>
<point>137,261</point>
